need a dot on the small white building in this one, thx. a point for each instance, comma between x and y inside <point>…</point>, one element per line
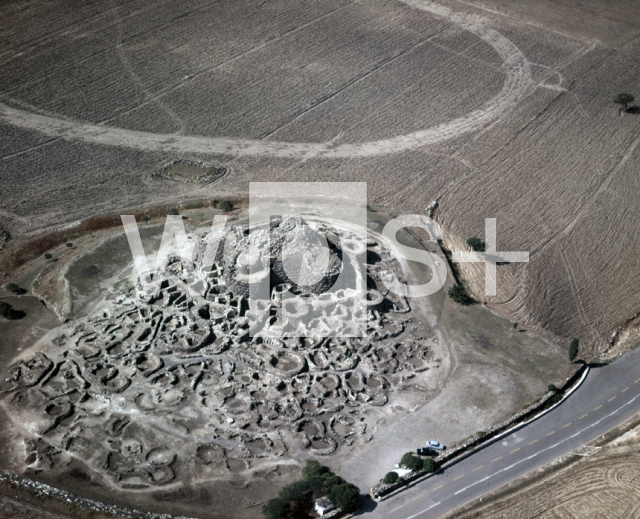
<point>324,506</point>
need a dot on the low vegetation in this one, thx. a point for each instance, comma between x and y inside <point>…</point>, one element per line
<point>428,465</point>
<point>624,100</point>
<point>390,478</point>
<point>8,312</point>
<point>225,206</point>
<point>459,294</point>
<point>573,349</point>
<point>476,244</point>
<point>411,462</point>
<point>297,499</point>
<point>414,463</point>
<point>15,289</point>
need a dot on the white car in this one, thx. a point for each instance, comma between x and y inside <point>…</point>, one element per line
<point>435,445</point>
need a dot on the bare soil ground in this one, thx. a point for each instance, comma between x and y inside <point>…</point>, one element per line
<point>482,359</point>
<point>614,23</point>
<point>557,167</point>
<point>600,482</point>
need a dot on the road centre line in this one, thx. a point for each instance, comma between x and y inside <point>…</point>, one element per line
<point>565,426</point>
<point>498,458</point>
<point>597,407</point>
<point>612,398</point>
<point>578,433</point>
<point>515,450</point>
<point>534,441</point>
<point>552,432</point>
<point>425,510</point>
<point>477,468</point>
<point>583,416</point>
<point>625,389</point>
<point>437,488</point>
<point>396,509</point>
<point>456,479</point>
<point>419,497</point>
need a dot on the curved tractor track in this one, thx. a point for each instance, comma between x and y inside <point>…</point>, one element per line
<point>517,83</point>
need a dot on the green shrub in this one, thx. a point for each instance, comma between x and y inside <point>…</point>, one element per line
<point>344,496</point>
<point>552,387</point>
<point>225,206</point>
<point>411,462</point>
<point>145,218</point>
<point>390,478</point>
<point>15,289</point>
<point>459,295</point>
<point>6,310</point>
<point>428,465</point>
<point>48,256</point>
<point>573,349</point>
<point>312,468</point>
<point>69,244</point>
<point>555,399</point>
<point>476,244</point>
<point>174,211</point>
<point>275,508</point>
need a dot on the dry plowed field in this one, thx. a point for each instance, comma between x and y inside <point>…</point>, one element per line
<point>501,118</point>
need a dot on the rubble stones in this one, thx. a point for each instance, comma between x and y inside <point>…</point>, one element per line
<point>166,377</point>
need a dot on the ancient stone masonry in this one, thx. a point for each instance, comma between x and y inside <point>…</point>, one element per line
<point>165,381</point>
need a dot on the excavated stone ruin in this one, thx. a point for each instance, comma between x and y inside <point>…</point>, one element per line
<point>166,380</point>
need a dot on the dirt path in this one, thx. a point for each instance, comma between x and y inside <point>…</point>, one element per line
<point>517,83</point>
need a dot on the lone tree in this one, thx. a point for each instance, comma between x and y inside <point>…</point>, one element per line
<point>390,478</point>
<point>573,349</point>
<point>476,244</point>
<point>552,387</point>
<point>459,295</point>
<point>623,100</point>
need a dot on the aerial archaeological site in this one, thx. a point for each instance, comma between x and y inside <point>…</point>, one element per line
<point>277,259</point>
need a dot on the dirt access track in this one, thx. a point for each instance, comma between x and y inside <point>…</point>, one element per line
<point>419,99</point>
